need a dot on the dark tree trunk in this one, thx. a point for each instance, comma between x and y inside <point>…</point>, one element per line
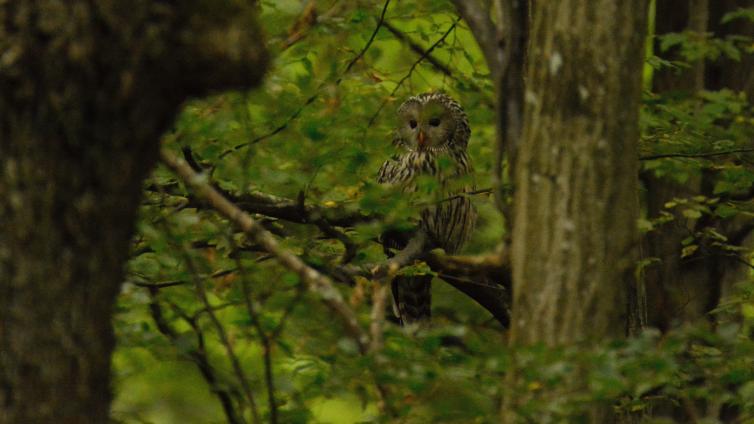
<point>86,89</point>
<point>669,291</point>
<point>728,73</point>
<point>680,16</point>
<point>684,291</point>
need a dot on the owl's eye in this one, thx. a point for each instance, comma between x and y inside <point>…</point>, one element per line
<point>434,122</point>
<point>412,123</point>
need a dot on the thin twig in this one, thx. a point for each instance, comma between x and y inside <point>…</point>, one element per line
<point>263,337</point>
<point>278,330</point>
<point>421,51</point>
<point>319,89</point>
<point>457,196</point>
<point>201,291</point>
<point>694,155</point>
<point>197,355</point>
<point>432,60</point>
<point>411,71</point>
<point>160,285</point>
<point>379,300</point>
<point>369,42</point>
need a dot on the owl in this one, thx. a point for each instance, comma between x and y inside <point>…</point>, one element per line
<point>432,135</point>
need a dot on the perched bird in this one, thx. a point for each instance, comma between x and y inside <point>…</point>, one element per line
<point>432,135</point>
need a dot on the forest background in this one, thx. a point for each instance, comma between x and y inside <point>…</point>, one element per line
<point>216,323</point>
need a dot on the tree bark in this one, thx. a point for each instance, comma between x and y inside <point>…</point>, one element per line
<point>86,89</point>
<point>576,202</point>
<point>575,238</point>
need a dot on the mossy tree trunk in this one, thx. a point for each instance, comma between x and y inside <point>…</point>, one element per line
<point>576,202</point>
<point>575,239</point>
<point>86,89</point>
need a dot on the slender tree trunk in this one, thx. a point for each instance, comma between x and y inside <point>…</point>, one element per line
<point>677,293</point>
<point>729,73</point>
<point>86,88</point>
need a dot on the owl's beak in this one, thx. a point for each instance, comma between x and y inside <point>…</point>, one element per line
<point>421,138</point>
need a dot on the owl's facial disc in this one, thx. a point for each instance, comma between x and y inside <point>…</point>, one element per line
<point>426,126</point>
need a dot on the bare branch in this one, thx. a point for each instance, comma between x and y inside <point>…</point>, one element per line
<point>491,263</point>
<point>315,282</point>
<point>263,337</point>
<point>432,60</point>
<point>201,292</point>
<point>411,70</point>
<point>292,210</point>
<point>379,300</point>
<point>414,250</point>
<point>484,278</point>
<point>316,95</point>
<point>197,355</point>
<point>695,155</point>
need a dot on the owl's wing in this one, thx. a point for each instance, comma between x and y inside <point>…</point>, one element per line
<point>388,172</point>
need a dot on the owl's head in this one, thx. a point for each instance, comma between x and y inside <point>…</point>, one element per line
<point>432,122</point>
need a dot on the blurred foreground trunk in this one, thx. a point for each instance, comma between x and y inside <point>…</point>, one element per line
<point>86,89</point>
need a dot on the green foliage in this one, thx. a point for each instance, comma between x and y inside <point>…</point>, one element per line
<point>305,135</point>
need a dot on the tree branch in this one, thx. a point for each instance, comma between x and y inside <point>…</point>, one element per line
<point>315,282</point>
<point>197,355</point>
<point>414,250</point>
<point>201,292</point>
<point>484,278</point>
<point>694,155</point>
<point>264,338</point>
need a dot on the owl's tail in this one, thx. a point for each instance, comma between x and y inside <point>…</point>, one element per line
<point>412,298</point>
